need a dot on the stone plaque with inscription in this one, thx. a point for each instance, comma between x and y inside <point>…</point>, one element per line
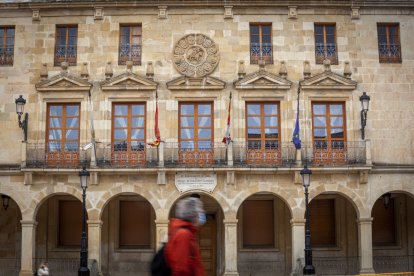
<point>195,181</point>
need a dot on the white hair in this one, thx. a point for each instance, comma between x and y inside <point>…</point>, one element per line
<point>188,209</point>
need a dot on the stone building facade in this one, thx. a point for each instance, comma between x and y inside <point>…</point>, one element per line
<point>95,75</point>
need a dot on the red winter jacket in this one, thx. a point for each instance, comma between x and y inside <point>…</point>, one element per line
<point>182,251</point>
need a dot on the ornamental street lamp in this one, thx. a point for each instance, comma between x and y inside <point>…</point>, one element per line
<point>364,112</point>
<point>309,269</point>
<point>20,102</point>
<point>84,270</point>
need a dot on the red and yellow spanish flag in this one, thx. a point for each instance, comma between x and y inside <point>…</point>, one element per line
<point>227,138</point>
<point>157,140</point>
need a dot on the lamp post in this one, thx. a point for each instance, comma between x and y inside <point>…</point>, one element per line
<point>309,269</point>
<point>84,270</point>
<point>364,112</point>
<point>20,102</point>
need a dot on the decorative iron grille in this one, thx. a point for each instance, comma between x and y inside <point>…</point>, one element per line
<point>261,51</point>
<point>384,264</point>
<point>210,154</point>
<point>65,53</point>
<point>389,53</point>
<point>126,155</point>
<point>6,56</point>
<point>273,154</point>
<point>334,153</point>
<point>130,52</point>
<point>70,156</point>
<point>326,51</point>
<point>9,266</point>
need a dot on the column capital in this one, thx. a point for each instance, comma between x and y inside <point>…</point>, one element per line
<point>161,221</point>
<point>230,221</point>
<point>364,220</point>
<point>298,222</point>
<point>28,223</point>
<point>94,222</point>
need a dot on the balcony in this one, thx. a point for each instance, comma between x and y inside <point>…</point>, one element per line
<point>211,155</point>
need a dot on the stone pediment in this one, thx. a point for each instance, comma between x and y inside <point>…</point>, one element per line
<point>203,83</point>
<point>262,80</point>
<point>128,81</point>
<point>63,82</point>
<point>329,81</point>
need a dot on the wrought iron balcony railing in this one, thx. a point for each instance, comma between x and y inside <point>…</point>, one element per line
<point>130,52</point>
<point>389,53</point>
<point>334,153</point>
<point>326,51</point>
<point>6,55</point>
<point>125,155</point>
<point>271,155</point>
<point>202,155</point>
<point>56,155</point>
<point>261,51</point>
<point>65,53</point>
<point>173,154</point>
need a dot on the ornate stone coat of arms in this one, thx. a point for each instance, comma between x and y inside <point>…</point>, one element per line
<point>196,55</point>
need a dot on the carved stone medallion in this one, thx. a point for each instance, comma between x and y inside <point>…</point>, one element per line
<point>196,55</point>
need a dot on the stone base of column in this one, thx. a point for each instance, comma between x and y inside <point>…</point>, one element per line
<point>26,273</point>
<point>366,271</point>
<point>235,273</point>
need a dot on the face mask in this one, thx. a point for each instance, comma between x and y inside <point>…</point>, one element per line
<point>202,218</point>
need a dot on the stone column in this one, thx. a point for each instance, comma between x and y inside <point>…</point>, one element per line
<point>161,232</point>
<point>94,241</point>
<point>298,243</point>
<point>365,245</point>
<point>28,247</point>
<point>230,247</point>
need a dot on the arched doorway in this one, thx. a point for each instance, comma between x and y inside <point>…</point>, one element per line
<point>127,235</point>
<point>58,234</point>
<point>264,236</point>
<point>10,236</point>
<point>334,235</point>
<point>210,235</point>
<point>393,233</point>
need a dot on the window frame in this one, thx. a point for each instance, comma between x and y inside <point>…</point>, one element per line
<point>253,59</point>
<point>63,127</point>
<point>388,59</point>
<point>328,126</point>
<point>9,59</point>
<point>335,223</point>
<point>129,124</point>
<point>195,126</point>
<point>121,60</point>
<point>334,58</point>
<point>263,124</point>
<point>72,61</point>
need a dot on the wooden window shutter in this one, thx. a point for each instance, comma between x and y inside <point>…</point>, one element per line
<point>258,224</point>
<point>383,224</point>
<point>322,222</point>
<point>134,224</point>
<point>70,223</point>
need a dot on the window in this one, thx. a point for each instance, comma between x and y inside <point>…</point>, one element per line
<point>263,125</point>
<point>70,223</point>
<point>261,43</point>
<point>6,46</point>
<point>128,132</point>
<point>389,46</point>
<point>383,224</point>
<point>322,222</point>
<point>329,133</point>
<point>196,133</point>
<point>134,224</point>
<point>66,43</point>
<point>130,41</point>
<point>258,224</point>
<point>325,43</point>
<point>62,138</point>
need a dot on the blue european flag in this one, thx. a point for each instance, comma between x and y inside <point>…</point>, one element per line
<point>296,139</point>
